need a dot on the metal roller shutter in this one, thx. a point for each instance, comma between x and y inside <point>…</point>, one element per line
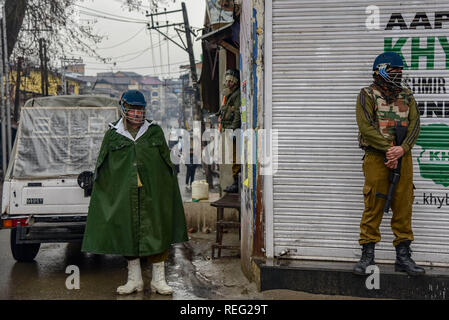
<point>322,55</point>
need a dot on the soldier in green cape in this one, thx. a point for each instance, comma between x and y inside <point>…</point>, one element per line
<point>136,208</point>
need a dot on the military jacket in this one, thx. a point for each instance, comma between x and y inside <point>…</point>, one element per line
<point>123,218</point>
<point>376,119</point>
<point>229,113</point>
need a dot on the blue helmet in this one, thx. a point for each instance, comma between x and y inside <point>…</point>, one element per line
<point>133,98</point>
<point>388,58</point>
<point>385,60</point>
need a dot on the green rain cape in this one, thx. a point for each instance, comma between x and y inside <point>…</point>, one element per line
<point>127,220</point>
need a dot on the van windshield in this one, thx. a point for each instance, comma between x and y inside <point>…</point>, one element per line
<point>59,141</point>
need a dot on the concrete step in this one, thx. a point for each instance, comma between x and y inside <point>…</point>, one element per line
<point>336,278</point>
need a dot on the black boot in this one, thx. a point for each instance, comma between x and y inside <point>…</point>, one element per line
<point>233,188</point>
<point>404,262</point>
<point>367,259</point>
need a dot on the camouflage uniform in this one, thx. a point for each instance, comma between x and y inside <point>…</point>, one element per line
<point>229,118</point>
<point>376,119</point>
<point>229,113</point>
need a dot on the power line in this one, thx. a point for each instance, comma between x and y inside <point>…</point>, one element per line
<point>110,14</point>
<point>146,67</point>
<point>143,6</point>
<point>119,44</point>
<point>110,18</point>
<point>141,53</point>
<point>152,73</point>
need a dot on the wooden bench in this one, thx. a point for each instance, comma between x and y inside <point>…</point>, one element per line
<point>230,200</point>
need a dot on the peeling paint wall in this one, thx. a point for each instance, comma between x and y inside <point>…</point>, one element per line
<point>258,41</point>
<point>246,89</point>
<point>251,66</point>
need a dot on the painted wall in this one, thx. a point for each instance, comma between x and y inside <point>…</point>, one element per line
<point>32,82</point>
<point>251,65</point>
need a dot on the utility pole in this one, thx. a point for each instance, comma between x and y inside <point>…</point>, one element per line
<point>188,47</point>
<point>64,91</point>
<point>18,81</point>
<point>41,58</point>
<point>192,62</point>
<point>45,67</point>
<point>6,116</point>
<point>65,60</point>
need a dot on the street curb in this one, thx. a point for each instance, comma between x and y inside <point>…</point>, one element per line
<point>336,278</point>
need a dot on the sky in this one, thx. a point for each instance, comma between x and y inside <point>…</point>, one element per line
<point>128,44</point>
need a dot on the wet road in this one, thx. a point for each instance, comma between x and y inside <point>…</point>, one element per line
<point>190,272</point>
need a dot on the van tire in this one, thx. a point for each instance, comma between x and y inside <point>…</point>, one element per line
<point>23,252</point>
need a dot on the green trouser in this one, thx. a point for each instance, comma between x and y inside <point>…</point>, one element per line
<point>377,180</point>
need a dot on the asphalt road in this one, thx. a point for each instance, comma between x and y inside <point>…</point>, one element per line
<point>189,271</point>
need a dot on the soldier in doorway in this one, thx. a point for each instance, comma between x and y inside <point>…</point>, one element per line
<point>229,118</point>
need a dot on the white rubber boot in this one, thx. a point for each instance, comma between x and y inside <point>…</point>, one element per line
<point>135,281</point>
<point>158,283</point>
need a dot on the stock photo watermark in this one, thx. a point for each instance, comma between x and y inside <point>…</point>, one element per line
<point>372,22</point>
<point>73,280</point>
<point>373,280</point>
<point>249,147</point>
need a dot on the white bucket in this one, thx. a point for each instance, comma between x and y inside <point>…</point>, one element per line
<point>200,190</point>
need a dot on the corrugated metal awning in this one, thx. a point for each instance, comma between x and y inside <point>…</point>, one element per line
<point>220,33</point>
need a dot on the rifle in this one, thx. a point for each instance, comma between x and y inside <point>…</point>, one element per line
<point>395,174</point>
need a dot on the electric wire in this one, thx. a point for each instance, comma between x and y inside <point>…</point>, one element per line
<point>153,74</point>
<point>139,53</point>
<point>110,18</point>
<point>146,67</point>
<point>110,14</point>
<point>123,42</point>
<point>113,17</point>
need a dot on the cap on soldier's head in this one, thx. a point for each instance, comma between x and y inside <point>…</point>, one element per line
<point>388,58</point>
<point>233,73</point>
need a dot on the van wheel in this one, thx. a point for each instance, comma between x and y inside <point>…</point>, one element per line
<point>23,252</point>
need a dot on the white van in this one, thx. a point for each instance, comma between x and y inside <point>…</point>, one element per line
<point>57,140</point>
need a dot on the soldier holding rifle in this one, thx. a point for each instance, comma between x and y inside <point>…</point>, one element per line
<point>383,111</point>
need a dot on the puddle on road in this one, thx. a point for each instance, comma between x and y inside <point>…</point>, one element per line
<point>183,276</point>
<point>100,275</point>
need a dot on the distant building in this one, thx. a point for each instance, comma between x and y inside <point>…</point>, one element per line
<point>76,68</point>
<point>153,90</point>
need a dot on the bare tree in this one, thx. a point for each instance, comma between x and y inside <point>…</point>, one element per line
<point>56,21</point>
<point>15,13</point>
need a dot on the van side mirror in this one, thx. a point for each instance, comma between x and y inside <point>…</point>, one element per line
<point>86,182</point>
